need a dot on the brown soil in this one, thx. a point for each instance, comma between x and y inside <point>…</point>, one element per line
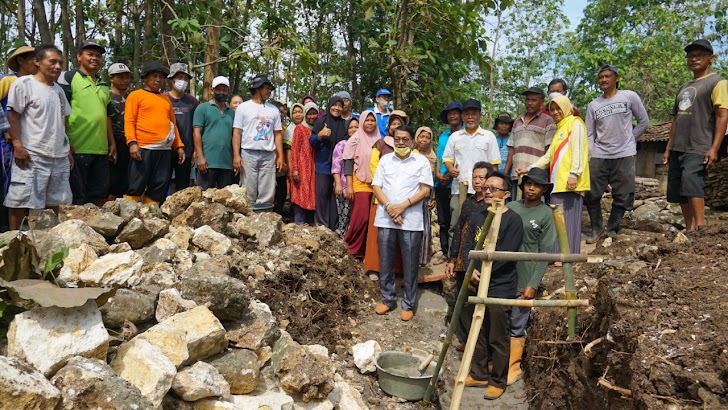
<point>661,309</point>
<point>315,299</point>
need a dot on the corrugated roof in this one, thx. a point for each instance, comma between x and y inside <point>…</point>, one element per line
<point>657,133</point>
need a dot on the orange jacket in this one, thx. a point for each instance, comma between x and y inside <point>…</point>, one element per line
<point>146,119</point>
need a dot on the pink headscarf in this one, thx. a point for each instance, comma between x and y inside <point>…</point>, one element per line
<point>359,148</point>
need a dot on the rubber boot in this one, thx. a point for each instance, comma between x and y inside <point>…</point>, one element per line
<point>492,393</point>
<point>148,201</point>
<point>595,217</point>
<point>133,198</point>
<point>514,369</point>
<point>615,219</point>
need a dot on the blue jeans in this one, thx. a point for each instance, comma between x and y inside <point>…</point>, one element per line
<point>259,179</point>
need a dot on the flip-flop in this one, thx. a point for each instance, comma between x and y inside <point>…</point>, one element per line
<point>440,260</point>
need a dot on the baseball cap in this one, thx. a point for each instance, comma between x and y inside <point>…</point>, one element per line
<point>699,44</point>
<point>534,90</point>
<point>220,80</point>
<point>452,106</point>
<point>259,81</point>
<point>178,68</point>
<point>118,68</point>
<point>383,91</point>
<point>153,65</point>
<point>12,62</point>
<point>472,103</point>
<point>90,43</point>
<point>608,67</point>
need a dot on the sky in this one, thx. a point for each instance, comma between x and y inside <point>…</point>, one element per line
<point>574,10</point>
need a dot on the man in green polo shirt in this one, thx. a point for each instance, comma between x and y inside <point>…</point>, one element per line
<point>213,132</point>
<point>89,127</point>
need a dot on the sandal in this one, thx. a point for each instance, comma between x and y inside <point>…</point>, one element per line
<point>439,261</point>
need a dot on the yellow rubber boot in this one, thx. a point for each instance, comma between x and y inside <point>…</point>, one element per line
<point>133,198</point>
<point>514,369</point>
<point>150,201</point>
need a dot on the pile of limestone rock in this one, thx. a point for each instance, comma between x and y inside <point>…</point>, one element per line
<point>183,329</point>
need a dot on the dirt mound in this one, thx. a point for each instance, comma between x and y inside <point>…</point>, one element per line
<point>659,306</point>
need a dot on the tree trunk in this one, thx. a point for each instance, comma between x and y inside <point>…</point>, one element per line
<point>118,30</point>
<point>351,55</point>
<point>80,22</point>
<point>21,21</point>
<point>493,68</point>
<point>39,12</point>
<point>212,53</point>
<point>169,50</point>
<point>148,28</point>
<point>66,34</point>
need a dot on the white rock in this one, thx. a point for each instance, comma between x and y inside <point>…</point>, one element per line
<point>200,256</point>
<point>680,239</point>
<point>212,404</point>
<point>318,350</point>
<point>162,274</point>
<point>346,397</point>
<point>275,400</point>
<point>170,303</point>
<point>114,269</point>
<point>607,242</point>
<point>48,337</point>
<point>211,241</point>
<point>181,236</point>
<point>76,233</point>
<point>365,355</point>
<point>200,381</point>
<point>170,340</point>
<point>23,387</point>
<point>315,405</point>
<point>145,366</point>
<point>78,259</point>
<point>182,261</point>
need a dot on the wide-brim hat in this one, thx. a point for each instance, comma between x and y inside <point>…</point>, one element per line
<point>154,65</point>
<point>399,114</point>
<point>259,81</point>
<point>452,106</point>
<point>538,176</point>
<point>503,118</point>
<point>12,62</point>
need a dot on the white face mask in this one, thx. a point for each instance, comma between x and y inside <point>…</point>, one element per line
<point>180,85</point>
<point>383,104</point>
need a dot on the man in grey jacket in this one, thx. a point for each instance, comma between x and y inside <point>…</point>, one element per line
<point>612,150</point>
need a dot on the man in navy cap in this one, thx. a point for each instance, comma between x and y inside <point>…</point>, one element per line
<point>381,110</point>
<point>612,150</point>
<point>452,116</point>
<point>700,119</point>
<point>257,138</point>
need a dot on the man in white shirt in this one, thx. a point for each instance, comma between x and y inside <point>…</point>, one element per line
<point>464,148</point>
<point>257,136</point>
<point>402,180</point>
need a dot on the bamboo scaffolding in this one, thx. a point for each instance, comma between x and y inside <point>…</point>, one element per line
<point>533,256</point>
<point>454,321</point>
<point>568,269</point>
<point>529,303</point>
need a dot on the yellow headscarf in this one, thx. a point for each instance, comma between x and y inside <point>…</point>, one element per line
<point>566,108</point>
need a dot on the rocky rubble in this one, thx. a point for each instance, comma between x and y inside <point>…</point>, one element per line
<point>210,299</point>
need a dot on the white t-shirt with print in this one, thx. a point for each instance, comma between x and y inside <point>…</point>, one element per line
<point>257,123</point>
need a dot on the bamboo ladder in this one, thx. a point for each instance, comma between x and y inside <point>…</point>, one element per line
<point>492,227</point>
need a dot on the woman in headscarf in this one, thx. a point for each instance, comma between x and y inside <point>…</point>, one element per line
<point>326,133</point>
<point>423,145</point>
<point>296,118</point>
<point>342,187</point>
<point>567,161</point>
<point>357,159</point>
<point>382,147</point>
<point>303,178</point>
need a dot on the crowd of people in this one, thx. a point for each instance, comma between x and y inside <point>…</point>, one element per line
<point>371,177</point>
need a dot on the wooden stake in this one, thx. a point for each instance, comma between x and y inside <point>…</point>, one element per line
<point>463,192</point>
<point>479,314</point>
<point>568,269</point>
<point>535,256</point>
<point>529,303</point>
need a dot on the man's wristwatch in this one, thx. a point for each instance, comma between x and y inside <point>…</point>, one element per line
<point>385,206</point>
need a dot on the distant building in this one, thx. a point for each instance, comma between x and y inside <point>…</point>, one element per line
<point>650,147</point>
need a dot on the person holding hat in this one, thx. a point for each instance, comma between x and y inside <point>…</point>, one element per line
<point>381,110</point>
<point>700,117</point>
<point>184,106</point>
<point>37,109</point>
<point>531,135</point>
<point>452,116</point>
<point>213,133</point>
<point>503,125</point>
<point>120,78</point>
<point>463,150</point>
<point>612,149</point>
<point>89,126</point>
<point>539,234</point>
<point>258,142</point>
<point>151,135</point>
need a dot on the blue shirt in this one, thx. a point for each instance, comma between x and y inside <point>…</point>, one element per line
<point>503,148</point>
<point>441,143</point>
<point>322,154</point>
<point>382,121</point>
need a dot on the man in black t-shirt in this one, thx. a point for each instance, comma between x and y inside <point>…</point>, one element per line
<point>120,78</point>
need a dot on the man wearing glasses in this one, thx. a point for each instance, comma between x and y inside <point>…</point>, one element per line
<point>612,150</point>
<point>402,180</point>
<point>699,125</point>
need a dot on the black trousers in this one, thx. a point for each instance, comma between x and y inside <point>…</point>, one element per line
<point>182,172</point>
<point>89,178</point>
<point>442,200</point>
<point>281,193</point>
<point>119,172</point>
<point>619,173</point>
<point>494,341</point>
<point>150,176</point>
<point>215,178</point>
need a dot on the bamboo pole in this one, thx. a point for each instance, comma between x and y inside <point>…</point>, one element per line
<point>534,256</point>
<point>462,192</point>
<point>568,269</point>
<point>479,312</point>
<point>529,303</point>
<point>454,319</point>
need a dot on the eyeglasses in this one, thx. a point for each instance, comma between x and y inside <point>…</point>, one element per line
<point>405,140</point>
<point>697,56</point>
<point>494,189</point>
